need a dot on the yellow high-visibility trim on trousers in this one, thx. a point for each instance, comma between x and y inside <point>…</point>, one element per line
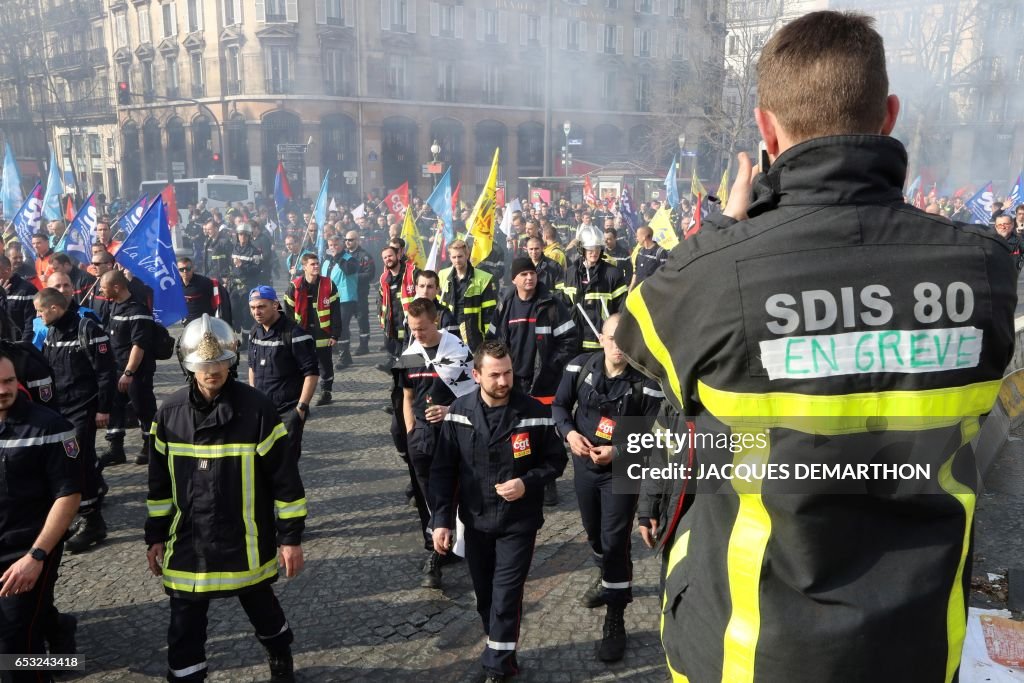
<point>675,555</point>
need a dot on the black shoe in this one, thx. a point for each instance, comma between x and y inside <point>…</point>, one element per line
<point>142,459</point>
<point>91,531</point>
<point>384,367</point>
<point>325,398</point>
<point>390,410</point>
<point>450,558</point>
<point>550,495</point>
<point>345,360</point>
<point>362,350</point>
<point>282,668</point>
<point>409,492</point>
<point>593,598</point>
<point>432,572</point>
<point>62,640</point>
<point>115,456</point>
<point>613,641</point>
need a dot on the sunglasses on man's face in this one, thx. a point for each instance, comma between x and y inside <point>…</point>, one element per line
<point>348,240</point>
<point>184,269</point>
<point>100,263</point>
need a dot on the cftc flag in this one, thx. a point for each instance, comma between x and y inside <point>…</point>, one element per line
<point>481,220</point>
<point>26,220</point>
<point>980,205</point>
<point>320,216</point>
<point>149,254</point>
<point>1016,196</point>
<point>130,218</point>
<point>79,236</point>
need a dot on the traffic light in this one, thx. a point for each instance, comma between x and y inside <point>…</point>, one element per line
<point>124,95</point>
<point>216,157</point>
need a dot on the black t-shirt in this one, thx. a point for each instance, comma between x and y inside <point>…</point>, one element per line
<point>424,382</point>
<point>493,417</point>
<point>522,338</point>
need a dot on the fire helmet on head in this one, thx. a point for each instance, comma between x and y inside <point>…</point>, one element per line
<point>207,341</point>
<point>590,238</point>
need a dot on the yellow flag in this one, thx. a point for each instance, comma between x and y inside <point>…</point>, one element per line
<point>413,242</point>
<point>723,187</point>
<point>481,220</point>
<point>696,188</point>
<point>661,224</point>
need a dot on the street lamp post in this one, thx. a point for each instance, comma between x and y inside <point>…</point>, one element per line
<point>435,149</point>
<point>566,155</point>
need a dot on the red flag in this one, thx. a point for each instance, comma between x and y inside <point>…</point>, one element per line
<point>171,203</point>
<point>588,192</point>
<point>455,198</point>
<point>397,201</point>
<point>499,196</point>
<point>69,210</point>
<point>696,221</point>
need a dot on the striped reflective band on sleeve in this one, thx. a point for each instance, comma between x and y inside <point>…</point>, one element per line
<point>563,328</point>
<point>302,338</point>
<point>46,381</point>
<point>620,291</point>
<point>290,510</point>
<point>321,343</point>
<point>159,508</point>
<point>161,446</point>
<point>99,340</point>
<point>127,318</point>
<point>269,442</point>
<point>638,309</point>
<point>654,392</point>
<point>188,670</point>
<point>252,551</point>
<point>461,419</point>
<point>535,422</point>
<point>266,342</point>
<point>573,368</point>
<point>37,440</point>
<point>542,329</point>
<point>20,297</point>
<point>496,645</point>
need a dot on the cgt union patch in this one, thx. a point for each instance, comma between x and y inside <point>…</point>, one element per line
<point>71,447</point>
<point>521,445</point>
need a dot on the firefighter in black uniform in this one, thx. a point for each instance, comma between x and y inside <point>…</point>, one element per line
<point>365,277</point>
<point>81,281</point>
<point>426,397</point>
<point>496,451</point>
<point>38,500</point>
<point>215,255</point>
<point>202,294</point>
<point>428,287</point>
<point>824,320</point>
<point>648,255</point>
<point>595,285</point>
<point>131,336</point>
<point>221,462</point>
<point>603,389</point>
<point>549,273</point>
<point>19,300</point>
<point>85,381</point>
<point>312,301</point>
<point>102,262</point>
<point>541,334</point>
<point>616,254</point>
<point>246,273</point>
<point>282,363</point>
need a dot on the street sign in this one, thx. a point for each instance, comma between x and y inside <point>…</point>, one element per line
<point>576,141</point>
<point>350,174</point>
<point>291,148</point>
<point>350,181</point>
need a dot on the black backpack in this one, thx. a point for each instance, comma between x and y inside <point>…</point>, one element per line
<point>163,342</point>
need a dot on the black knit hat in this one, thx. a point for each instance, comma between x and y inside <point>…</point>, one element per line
<point>522,264</point>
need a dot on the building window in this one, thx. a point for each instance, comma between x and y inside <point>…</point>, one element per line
<point>534,91</point>
<point>533,29</point>
<point>277,11</point>
<point>144,33</point>
<point>232,12</point>
<point>335,13</point>
<point>734,45</point>
<point>126,73</point>
<point>492,84</point>
<point>608,87</point>
<point>645,6</point>
<point>491,25</point>
<point>446,20</point>
<point>198,76</point>
<point>171,65</point>
<point>233,70</point>
<point>170,20</point>
<point>612,4</point>
<point>110,147</point>
<point>612,39</point>
<point>335,82</point>
<point>278,61</point>
<point>446,81</point>
<point>147,79</point>
<point>678,45</point>
<point>120,30</point>
<point>399,15</point>
<point>396,76</point>
<point>643,92</point>
<point>573,38</point>
<point>94,146</point>
<point>645,43</point>
<point>195,15</point>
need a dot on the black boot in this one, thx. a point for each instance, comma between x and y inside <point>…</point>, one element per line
<point>550,495</point>
<point>593,598</point>
<point>364,346</point>
<point>62,640</point>
<point>432,572</point>
<point>613,640</point>
<point>344,361</point>
<point>325,398</point>
<point>91,531</point>
<point>116,454</point>
<point>143,457</point>
<point>282,668</point>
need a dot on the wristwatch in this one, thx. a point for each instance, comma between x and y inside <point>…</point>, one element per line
<point>129,373</point>
<point>38,554</point>
<point>304,407</point>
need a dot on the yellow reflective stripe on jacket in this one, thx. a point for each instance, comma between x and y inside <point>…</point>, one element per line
<point>321,343</point>
<point>264,447</point>
<point>206,582</point>
<point>222,450</point>
<point>252,546</point>
<point>290,510</point>
<point>160,508</point>
<point>172,534</point>
<point>956,617</point>
<point>637,307</point>
<point>290,301</point>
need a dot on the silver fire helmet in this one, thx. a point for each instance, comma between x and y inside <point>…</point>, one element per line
<point>207,341</point>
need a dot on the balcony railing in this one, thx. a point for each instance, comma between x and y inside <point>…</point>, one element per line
<point>76,11</point>
<point>279,86</point>
<point>79,59</point>
<point>93,106</point>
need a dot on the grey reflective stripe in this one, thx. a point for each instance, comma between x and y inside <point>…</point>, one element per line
<point>99,340</point>
<point>495,645</point>
<point>302,338</point>
<point>126,318</point>
<point>63,344</point>
<point>461,419</point>
<point>491,329</point>
<point>542,329</point>
<point>615,585</point>
<point>535,422</point>
<point>565,327</point>
<point>654,392</point>
<point>40,383</point>
<point>264,342</point>
<point>187,671</point>
<point>283,629</point>
<point>243,258</point>
<point>573,368</point>
<point>20,297</point>
<point>37,440</point>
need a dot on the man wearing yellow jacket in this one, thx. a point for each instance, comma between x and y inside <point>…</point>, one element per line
<point>825,322</point>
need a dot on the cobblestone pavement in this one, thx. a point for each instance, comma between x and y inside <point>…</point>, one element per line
<point>357,610</point>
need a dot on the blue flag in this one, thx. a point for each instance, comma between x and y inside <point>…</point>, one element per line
<point>1016,196</point>
<point>671,186</point>
<point>130,218</point>
<point>320,216</point>
<point>26,220</point>
<point>54,189</point>
<point>629,216</point>
<point>149,254</point>
<point>10,190</point>
<point>440,202</point>
<point>79,236</point>
<point>980,205</point>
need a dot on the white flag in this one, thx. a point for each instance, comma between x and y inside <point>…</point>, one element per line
<point>332,206</point>
<point>506,218</point>
<point>359,211</point>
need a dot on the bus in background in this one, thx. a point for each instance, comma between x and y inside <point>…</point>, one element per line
<point>217,190</point>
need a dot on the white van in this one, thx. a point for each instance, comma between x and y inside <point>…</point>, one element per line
<point>217,190</point>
